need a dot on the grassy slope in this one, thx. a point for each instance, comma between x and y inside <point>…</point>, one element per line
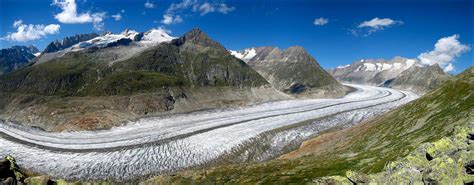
<point>368,146</point>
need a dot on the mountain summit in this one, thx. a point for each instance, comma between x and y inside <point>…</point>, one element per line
<point>292,71</point>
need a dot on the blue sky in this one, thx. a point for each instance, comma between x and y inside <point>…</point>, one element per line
<point>403,28</point>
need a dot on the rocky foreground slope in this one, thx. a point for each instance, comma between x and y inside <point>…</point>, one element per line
<point>15,57</point>
<point>113,78</point>
<point>293,71</point>
<point>371,146</point>
<point>399,72</point>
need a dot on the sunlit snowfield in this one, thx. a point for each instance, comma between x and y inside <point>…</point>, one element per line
<point>156,145</point>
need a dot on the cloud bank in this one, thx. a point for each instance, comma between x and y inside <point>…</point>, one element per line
<point>446,49</point>
<point>31,32</point>
<point>69,14</point>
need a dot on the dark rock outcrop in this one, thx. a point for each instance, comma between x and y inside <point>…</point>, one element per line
<point>10,172</point>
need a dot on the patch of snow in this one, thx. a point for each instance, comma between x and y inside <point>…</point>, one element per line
<point>37,54</point>
<point>156,36</point>
<point>103,41</point>
<point>344,66</point>
<point>236,54</point>
<point>397,66</point>
<point>246,55</point>
<point>386,66</point>
<point>369,67</point>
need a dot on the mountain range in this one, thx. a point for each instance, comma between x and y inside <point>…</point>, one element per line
<point>89,81</point>
<point>399,72</point>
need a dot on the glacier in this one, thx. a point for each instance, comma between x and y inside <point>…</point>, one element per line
<point>152,146</point>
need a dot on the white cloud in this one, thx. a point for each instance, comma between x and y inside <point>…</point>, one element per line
<point>321,21</point>
<point>446,49</point>
<point>449,67</point>
<point>69,14</point>
<point>205,9</point>
<point>31,32</point>
<point>171,19</point>
<point>174,7</point>
<point>376,24</point>
<point>172,16</point>
<point>149,4</point>
<point>97,20</point>
<point>17,23</point>
<point>117,17</point>
<point>223,8</point>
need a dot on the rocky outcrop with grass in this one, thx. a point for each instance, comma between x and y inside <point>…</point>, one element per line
<point>449,160</point>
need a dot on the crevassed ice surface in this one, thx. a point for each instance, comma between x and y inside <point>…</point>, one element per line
<point>155,145</point>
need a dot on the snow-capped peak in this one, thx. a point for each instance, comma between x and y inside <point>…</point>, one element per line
<point>245,55</point>
<point>155,36</point>
<point>129,34</point>
<point>396,64</point>
<point>105,40</point>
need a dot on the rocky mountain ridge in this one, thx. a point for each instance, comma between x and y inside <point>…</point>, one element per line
<point>293,71</point>
<point>68,42</point>
<point>15,57</point>
<point>399,72</point>
<point>185,74</point>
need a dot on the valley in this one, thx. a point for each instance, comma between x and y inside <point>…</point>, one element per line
<point>236,92</point>
<point>152,146</point>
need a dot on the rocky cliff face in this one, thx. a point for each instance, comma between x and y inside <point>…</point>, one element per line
<point>292,71</point>
<point>189,73</point>
<point>68,42</point>
<point>399,72</point>
<point>16,57</point>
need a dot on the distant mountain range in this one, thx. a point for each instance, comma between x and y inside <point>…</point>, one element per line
<point>94,81</point>
<point>15,57</point>
<point>292,71</point>
<point>398,72</point>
